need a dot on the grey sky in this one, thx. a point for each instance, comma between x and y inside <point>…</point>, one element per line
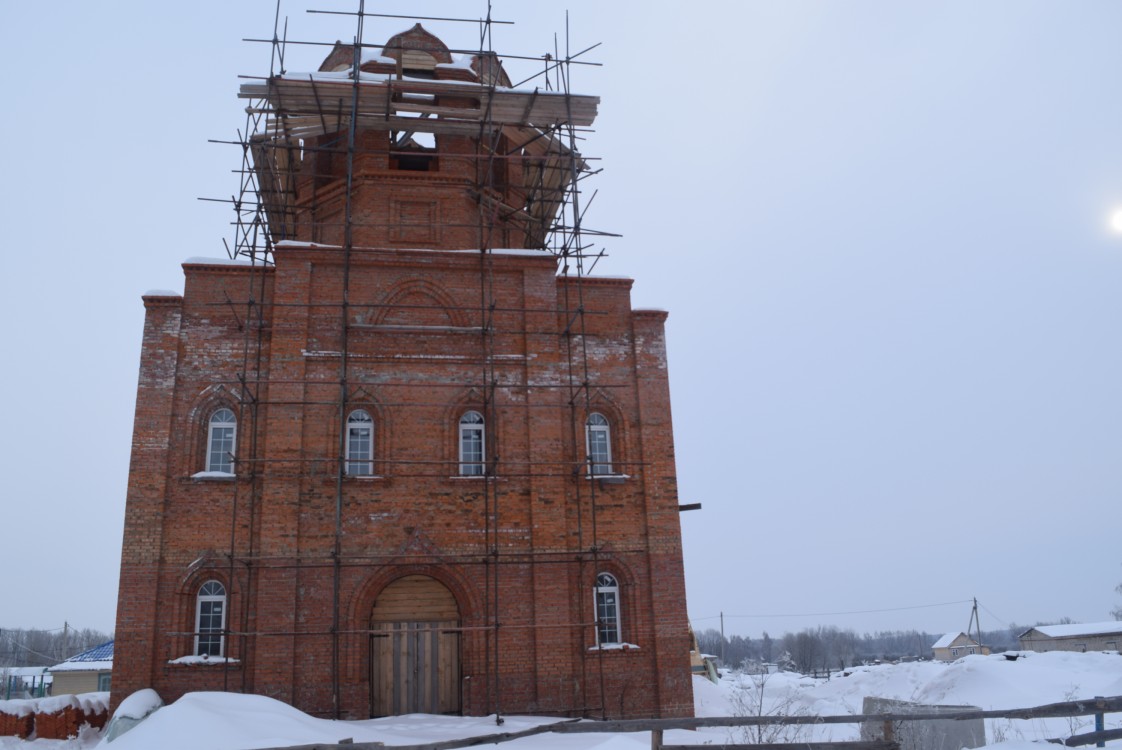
<point>880,228</point>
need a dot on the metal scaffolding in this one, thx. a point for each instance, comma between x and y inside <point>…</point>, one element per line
<point>323,117</point>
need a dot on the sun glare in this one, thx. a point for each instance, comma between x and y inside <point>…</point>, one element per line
<point>1116,220</point>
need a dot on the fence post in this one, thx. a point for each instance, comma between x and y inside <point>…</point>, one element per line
<point>1100,723</point>
<point>656,739</point>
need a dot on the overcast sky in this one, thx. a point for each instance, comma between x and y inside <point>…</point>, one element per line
<point>880,227</point>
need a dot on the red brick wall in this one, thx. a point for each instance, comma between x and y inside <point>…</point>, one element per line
<point>418,516</point>
<point>415,363</point>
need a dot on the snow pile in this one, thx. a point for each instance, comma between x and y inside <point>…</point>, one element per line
<point>19,707</point>
<point>57,703</point>
<point>988,682</point>
<point>93,703</point>
<point>138,705</point>
<point>228,721</point>
<point>217,720</point>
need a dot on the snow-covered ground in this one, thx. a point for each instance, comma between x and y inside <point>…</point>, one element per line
<point>223,721</point>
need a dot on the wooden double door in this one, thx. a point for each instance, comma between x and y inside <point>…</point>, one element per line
<point>415,649</point>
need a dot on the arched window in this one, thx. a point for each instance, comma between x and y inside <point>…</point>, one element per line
<point>599,438</point>
<point>471,444</point>
<point>607,609</point>
<point>221,434</point>
<point>210,619</point>
<point>360,443</point>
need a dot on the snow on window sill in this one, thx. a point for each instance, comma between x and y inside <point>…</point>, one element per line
<point>363,477</point>
<point>214,476</point>
<point>203,660</point>
<point>614,647</point>
<point>609,478</point>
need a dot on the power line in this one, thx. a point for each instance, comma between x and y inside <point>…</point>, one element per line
<point>1007,623</point>
<point>832,614</point>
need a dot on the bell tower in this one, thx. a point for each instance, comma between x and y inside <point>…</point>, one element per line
<point>432,152</point>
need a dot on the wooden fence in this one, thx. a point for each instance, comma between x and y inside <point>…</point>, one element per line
<point>1096,707</point>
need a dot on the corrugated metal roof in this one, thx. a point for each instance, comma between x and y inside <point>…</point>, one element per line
<point>104,652</point>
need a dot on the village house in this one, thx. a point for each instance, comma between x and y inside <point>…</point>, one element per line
<point>87,672</point>
<point>1091,636</point>
<point>956,645</point>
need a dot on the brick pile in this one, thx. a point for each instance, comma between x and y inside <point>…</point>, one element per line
<point>17,718</point>
<point>58,717</point>
<point>54,718</point>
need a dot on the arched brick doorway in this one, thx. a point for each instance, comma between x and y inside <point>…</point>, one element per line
<point>415,649</point>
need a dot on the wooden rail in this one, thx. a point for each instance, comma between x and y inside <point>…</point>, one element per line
<point>1065,709</point>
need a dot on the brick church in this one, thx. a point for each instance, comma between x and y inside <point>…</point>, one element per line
<point>406,454</point>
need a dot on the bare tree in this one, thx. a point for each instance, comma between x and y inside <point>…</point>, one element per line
<point>34,647</point>
<point>752,697</point>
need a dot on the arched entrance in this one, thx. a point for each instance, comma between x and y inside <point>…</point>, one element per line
<point>415,649</point>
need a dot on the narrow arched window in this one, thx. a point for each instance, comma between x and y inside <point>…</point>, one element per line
<point>221,434</point>
<point>360,443</point>
<point>471,444</point>
<point>210,619</point>
<point>598,435</point>
<point>607,609</point>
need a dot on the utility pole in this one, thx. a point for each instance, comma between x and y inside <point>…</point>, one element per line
<point>976,623</point>
<point>722,639</point>
<point>65,640</point>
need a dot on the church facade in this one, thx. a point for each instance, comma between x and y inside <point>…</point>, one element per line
<point>409,463</point>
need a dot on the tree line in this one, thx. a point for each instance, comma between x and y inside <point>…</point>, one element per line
<point>825,648</point>
<point>33,647</point>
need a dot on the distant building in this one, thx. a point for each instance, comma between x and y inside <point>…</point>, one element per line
<point>1091,636</point>
<point>956,645</point>
<point>86,672</point>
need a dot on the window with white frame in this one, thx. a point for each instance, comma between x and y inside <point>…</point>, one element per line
<point>221,434</point>
<point>598,436</point>
<point>360,443</point>
<point>471,444</point>
<point>607,609</point>
<point>210,619</point>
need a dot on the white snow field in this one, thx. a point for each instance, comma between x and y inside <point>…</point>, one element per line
<point>227,721</point>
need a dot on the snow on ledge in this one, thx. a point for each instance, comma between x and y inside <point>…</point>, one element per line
<point>19,707</point>
<point>202,660</point>
<point>202,261</point>
<point>511,251</point>
<point>300,243</point>
<point>161,293</point>
<point>213,475</point>
<point>609,478</point>
<point>58,703</point>
<point>614,647</point>
<point>461,62</point>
